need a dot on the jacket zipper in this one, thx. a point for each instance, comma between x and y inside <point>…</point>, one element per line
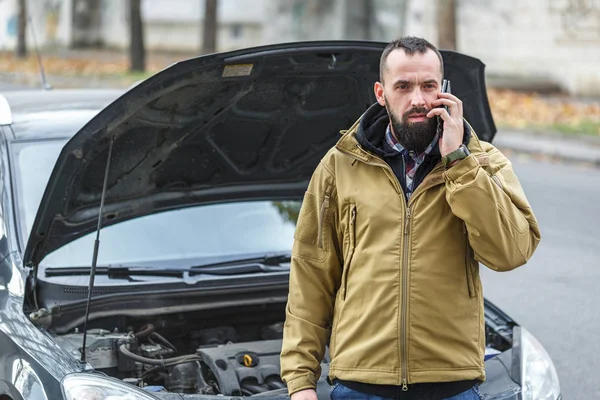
<point>352,246</point>
<point>324,207</point>
<point>403,317</point>
<point>470,279</point>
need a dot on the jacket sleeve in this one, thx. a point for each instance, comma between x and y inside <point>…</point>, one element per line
<point>502,228</point>
<point>314,279</point>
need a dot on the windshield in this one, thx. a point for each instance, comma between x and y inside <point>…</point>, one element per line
<point>190,233</point>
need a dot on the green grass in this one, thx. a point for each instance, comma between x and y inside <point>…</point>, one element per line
<point>583,128</point>
<point>137,75</point>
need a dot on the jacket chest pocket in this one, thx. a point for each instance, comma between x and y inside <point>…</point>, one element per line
<point>349,251</point>
<point>311,240</point>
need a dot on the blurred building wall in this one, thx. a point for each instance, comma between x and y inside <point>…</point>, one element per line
<point>169,24</point>
<point>544,41</point>
<point>380,20</point>
<point>530,44</point>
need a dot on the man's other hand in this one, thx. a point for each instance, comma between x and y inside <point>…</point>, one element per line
<point>306,394</point>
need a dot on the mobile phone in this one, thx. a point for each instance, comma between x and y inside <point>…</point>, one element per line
<point>440,121</point>
<point>446,89</point>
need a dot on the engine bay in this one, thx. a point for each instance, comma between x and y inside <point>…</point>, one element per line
<point>193,353</point>
<point>230,352</point>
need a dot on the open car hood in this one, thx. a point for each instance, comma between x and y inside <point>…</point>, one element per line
<point>247,124</point>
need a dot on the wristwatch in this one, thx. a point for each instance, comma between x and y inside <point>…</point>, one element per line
<point>458,154</point>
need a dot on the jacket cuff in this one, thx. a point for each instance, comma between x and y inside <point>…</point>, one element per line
<point>461,168</point>
<point>301,383</point>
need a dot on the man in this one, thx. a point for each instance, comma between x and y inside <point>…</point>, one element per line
<point>385,259</point>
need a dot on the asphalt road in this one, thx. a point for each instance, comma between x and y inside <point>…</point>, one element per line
<point>4,86</point>
<point>556,296</point>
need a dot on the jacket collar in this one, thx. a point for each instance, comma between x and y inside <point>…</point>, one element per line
<point>349,145</point>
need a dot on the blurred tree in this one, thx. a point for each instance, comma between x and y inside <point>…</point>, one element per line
<point>137,50</point>
<point>289,210</point>
<point>209,31</point>
<point>21,38</point>
<point>446,18</point>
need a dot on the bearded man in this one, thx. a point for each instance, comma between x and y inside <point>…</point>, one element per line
<point>385,262</point>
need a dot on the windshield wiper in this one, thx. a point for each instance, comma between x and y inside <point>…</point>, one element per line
<point>264,264</point>
<point>267,260</point>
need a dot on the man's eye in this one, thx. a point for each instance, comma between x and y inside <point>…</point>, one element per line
<point>403,87</point>
<point>429,86</point>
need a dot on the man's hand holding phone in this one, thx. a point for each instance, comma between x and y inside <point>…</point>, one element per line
<point>452,115</point>
<point>307,394</point>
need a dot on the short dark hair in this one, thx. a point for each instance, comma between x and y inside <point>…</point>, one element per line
<point>410,45</point>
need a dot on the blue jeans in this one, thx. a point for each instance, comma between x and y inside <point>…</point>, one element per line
<point>341,392</point>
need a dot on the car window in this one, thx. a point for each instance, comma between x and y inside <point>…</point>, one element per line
<point>192,232</point>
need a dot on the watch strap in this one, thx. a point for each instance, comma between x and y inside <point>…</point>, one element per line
<point>453,157</point>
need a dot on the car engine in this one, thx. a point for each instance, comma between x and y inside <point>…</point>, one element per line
<point>218,365</point>
<point>231,351</point>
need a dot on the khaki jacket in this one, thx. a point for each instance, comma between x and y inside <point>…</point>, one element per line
<point>394,287</point>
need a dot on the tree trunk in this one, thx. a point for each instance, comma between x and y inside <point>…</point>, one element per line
<point>209,31</point>
<point>136,48</point>
<point>21,37</point>
<point>446,17</point>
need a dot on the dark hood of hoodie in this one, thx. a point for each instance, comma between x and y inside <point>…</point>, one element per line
<point>371,133</point>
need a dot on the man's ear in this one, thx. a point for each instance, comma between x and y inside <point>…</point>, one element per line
<point>378,89</point>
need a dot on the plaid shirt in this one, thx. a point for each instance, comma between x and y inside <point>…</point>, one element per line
<point>411,161</point>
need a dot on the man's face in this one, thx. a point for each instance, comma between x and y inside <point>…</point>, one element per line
<point>410,84</point>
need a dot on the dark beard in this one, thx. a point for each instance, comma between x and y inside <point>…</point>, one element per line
<point>413,136</point>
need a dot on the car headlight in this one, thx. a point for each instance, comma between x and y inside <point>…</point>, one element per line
<point>82,386</point>
<point>538,375</point>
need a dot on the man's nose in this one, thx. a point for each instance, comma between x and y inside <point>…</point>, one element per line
<point>417,99</point>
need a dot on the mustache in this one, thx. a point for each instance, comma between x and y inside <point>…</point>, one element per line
<point>415,111</point>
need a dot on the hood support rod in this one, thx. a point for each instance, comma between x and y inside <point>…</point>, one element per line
<point>96,248</point>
